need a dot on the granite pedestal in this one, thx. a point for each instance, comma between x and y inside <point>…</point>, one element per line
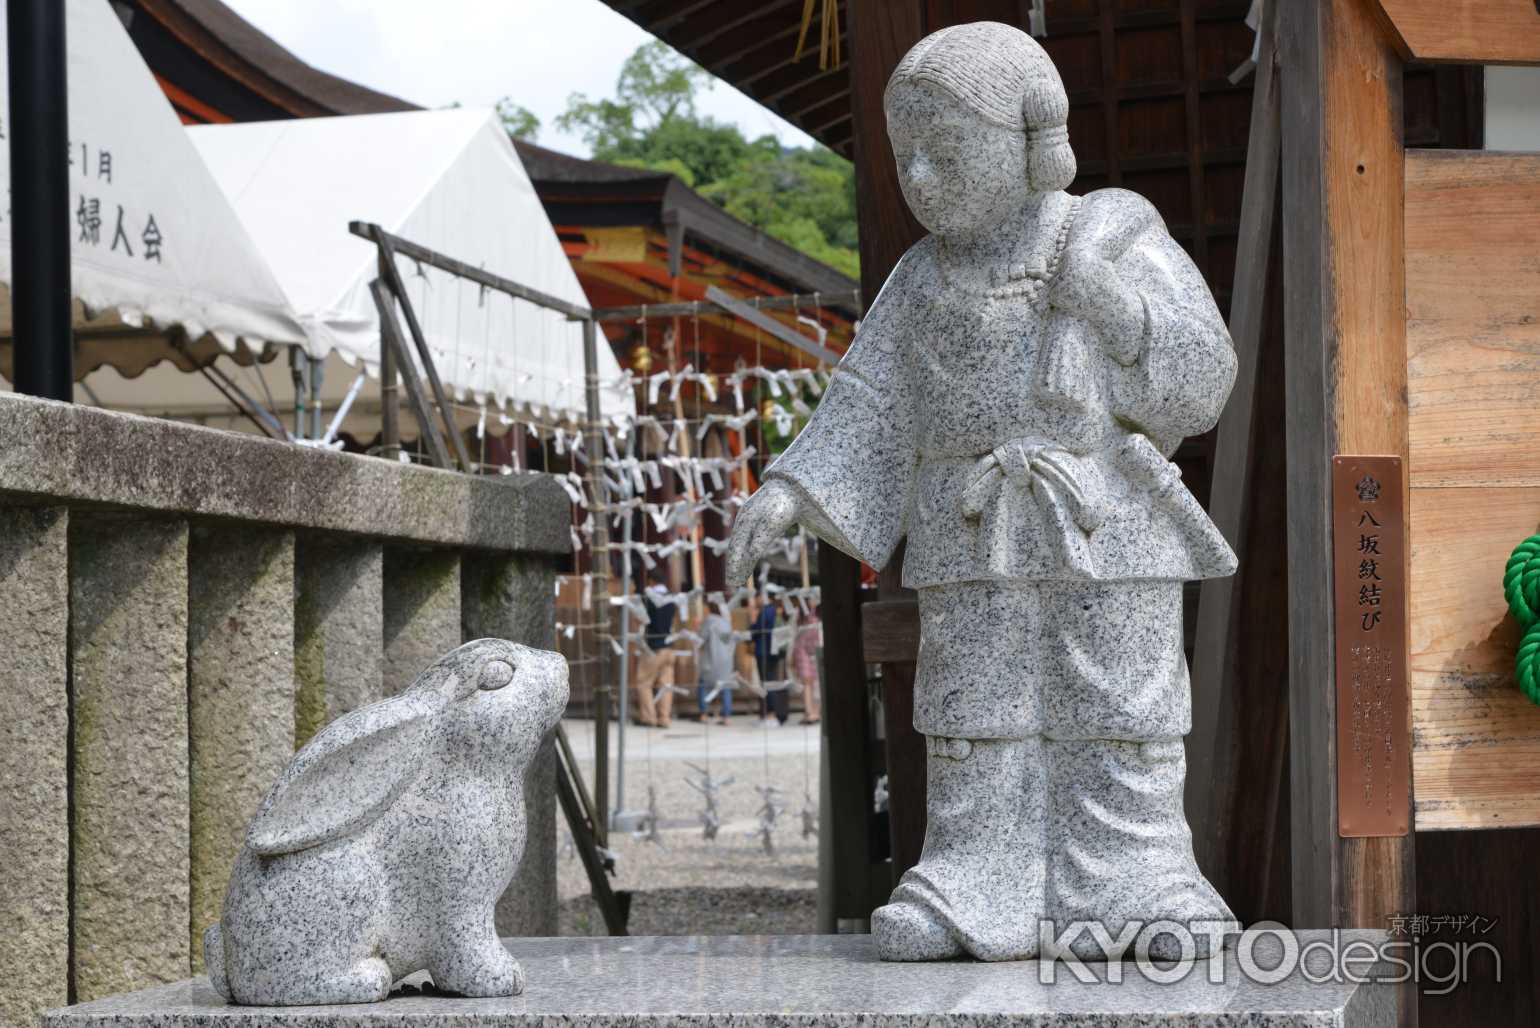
<point>829,981</point>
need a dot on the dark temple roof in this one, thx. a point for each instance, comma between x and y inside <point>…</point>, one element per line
<point>751,45</point>
<point>215,66</point>
<point>256,64</point>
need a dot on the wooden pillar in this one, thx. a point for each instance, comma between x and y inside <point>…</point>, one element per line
<point>887,229</point>
<point>1345,384</point>
<point>1236,794</point>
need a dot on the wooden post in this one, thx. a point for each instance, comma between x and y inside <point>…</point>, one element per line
<point>390,339</point>
<point>1345,380</point>
<point>390,402</point>
<point>877,42</point>
<point>392,277</point>
<point>1236,750</point>
<point>599,569</point>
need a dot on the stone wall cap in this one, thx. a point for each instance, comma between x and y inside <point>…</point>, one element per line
<point>85,457</point>
<point>773,981</point>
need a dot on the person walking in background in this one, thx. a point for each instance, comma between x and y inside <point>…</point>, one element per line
<point>716,664</point>
<point>804,664</point>
<point>655,666</point>
<point>775,706</point>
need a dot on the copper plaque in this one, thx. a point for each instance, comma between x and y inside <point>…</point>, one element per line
<point>1374,766</point>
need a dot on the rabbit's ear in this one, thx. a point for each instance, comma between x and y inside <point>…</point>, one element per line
<point>346,776</point>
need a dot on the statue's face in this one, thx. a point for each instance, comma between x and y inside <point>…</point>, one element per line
<point>959,173</point>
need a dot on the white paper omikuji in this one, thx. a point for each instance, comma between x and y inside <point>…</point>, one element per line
<point>736,422</point>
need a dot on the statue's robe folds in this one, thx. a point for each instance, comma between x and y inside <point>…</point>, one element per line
<point>1025,458</point>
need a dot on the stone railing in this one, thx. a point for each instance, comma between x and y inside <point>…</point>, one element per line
<point>179,609</point>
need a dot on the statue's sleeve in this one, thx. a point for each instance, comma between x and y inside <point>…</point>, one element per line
<point>854,462</point>
<point>1177,384</point>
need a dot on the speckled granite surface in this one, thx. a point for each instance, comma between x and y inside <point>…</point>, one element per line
<point>383,847</point>
<point>1009,406</point>
<point>807,981</point>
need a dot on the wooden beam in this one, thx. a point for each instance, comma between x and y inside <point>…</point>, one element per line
<point>788,84</point>
<point>662,15</point>
<point>1216,687</point>
<point>1465,31</point>
<point>390,337</point>
<point>392,278</point>
<point>906,756</point>
<point>825,130</point>
<point>738,308</point>
<point>814,95</point>
<point>890,632</point>
<point>878,39</point>
<point>1107,33</point>
<point>847,737</point>
<point>759,60</point>
<point>1472,282</point>
<point>691,308</point>
<point>726,17</point>
<point>413,251</point>
<point>1193,115</point>
<point>1345,379</point>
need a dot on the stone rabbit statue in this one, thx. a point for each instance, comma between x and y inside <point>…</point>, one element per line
<point>383,847</point>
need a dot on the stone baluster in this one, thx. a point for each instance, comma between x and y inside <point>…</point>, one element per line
<point>240,695</point>
<point>422,611</point>
<point>339,629</point>
<point>34,773</point>
<point>129,780</point>
<point>514,598</point>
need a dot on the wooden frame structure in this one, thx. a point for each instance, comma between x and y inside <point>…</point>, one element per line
<point>587,814</point>
<point>1153,108</point>
<point>1409,289</point>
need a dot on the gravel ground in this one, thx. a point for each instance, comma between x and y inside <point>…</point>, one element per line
<point>683,883</point>
<point>731,911</point>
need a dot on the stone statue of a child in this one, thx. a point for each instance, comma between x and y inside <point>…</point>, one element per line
<point>1009,404</point>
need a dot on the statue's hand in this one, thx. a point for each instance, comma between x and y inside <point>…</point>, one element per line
<point>767,516</point>
<point>1088,287</point>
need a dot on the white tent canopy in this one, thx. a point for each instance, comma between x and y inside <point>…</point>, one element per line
<point>154,238</point>
<point>448,180</point>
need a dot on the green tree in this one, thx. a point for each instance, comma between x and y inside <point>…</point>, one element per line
<point>804,197</point>
<point>656,86</point>
<point>520,121</point>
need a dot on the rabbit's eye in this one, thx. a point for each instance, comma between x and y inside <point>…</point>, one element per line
<point>494,675</point>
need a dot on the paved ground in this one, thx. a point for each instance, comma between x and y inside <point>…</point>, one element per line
<point>683,882</point>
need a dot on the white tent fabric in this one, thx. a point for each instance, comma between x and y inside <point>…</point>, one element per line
<point>448,180</point>
<point>154,236</point>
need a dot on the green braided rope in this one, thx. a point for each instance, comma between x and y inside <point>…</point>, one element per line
<point>1521,586</point>
<point>1527,663</point>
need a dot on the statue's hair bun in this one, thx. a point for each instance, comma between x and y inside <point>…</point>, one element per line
<point>1050,160</point>
<point>1003,75</point>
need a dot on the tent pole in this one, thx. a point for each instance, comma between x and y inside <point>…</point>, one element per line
<point>41,295</point>
<point>297,361</point>
<point>317,376</point>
